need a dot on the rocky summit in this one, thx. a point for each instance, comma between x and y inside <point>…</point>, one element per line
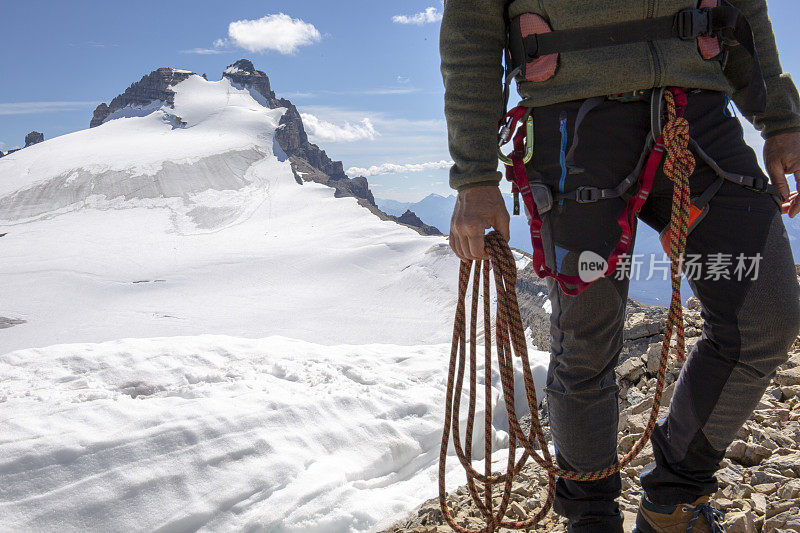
<point>153,87</point>
<point>409,218</point>
<point>759,482</point>
<point>309,162</point>
<point>33,137</point>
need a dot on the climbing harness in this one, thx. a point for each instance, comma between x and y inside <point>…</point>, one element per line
<point>539,199</point>
<point>635,188</point>
<point>679,164</point>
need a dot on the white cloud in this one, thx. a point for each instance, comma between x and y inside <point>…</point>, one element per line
<point>390,90</point>
<point>321,130</point>
<point>380,119</point>
<point>429,16</point>
<point>27,108</point>
<point>203,51</point>
<point>279,33</point>
<point>379,91</point>
<point>393,168</point>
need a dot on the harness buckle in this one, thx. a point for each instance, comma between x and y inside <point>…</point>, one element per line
<point>629,96</point>
<point>693,23</point>
<point>531,45</point>
<point>757,183</point>
<point>587,194</point>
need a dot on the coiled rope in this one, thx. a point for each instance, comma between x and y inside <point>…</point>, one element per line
<point>679,164</point>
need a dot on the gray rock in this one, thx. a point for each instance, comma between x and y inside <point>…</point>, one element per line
<point>787,465</point>
<point>33,137</point>
<point>634,396</point>
<point>409,218</point>
<point>653,357</point>
<point>643,324</point>
<point>154,86</point>
<point>788,521</point>
<point>631,370</point>
<point>243,73</point>
<point>788,377</point>
<point>9,322</point>
<point>739,522</point>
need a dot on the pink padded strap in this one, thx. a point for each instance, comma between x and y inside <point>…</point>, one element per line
<point>541,68</point>
<point>710,47</point>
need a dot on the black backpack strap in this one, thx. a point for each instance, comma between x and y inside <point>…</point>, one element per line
<point>756,94</point>
<point>509,71</point>
<point>689,24</point>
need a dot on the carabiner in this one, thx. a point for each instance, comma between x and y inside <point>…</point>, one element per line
<point>506,134</point>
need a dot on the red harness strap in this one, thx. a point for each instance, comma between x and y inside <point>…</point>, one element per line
<point>515,173</point>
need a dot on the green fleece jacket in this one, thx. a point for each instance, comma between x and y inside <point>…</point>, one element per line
<point>473,36</point>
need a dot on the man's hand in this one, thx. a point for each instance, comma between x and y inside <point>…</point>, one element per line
<point>782,156</point>
<point>477,209</point>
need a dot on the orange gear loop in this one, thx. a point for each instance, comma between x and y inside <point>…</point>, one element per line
<point>679,165</point>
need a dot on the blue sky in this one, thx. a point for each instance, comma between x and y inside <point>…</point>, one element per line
<point>364,73</point>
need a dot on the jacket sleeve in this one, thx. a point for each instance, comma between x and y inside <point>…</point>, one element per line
<point>471,45</point>
<point>783,104</point>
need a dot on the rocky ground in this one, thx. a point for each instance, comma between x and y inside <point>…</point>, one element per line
<point>9,322</point>
<point>760,476</point>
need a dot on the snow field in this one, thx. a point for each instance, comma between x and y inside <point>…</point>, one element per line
<point>221,434</point>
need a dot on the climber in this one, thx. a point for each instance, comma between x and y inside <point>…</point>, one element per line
<point>592,76</point>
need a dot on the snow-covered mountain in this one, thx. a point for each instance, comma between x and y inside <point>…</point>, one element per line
<point>204,326</point>
<point>154,222</point>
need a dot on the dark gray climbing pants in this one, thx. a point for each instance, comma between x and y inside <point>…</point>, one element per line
<point>751,318</point>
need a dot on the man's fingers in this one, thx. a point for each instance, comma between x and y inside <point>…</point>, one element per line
<point>794,206</point>
<point>477,209</point>
<point>778,178</point>
<point>476,246</point>
<point>502,225</point>
<point>455,245</point>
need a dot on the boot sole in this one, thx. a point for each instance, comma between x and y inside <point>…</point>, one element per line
<point>642,526</point>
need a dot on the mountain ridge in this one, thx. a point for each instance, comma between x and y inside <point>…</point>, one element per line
<point>309,162</point>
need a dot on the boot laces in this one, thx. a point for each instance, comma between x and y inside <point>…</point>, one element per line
<point>711,515</point>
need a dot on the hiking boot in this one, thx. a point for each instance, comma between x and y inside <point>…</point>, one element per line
<point>697,517</point>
